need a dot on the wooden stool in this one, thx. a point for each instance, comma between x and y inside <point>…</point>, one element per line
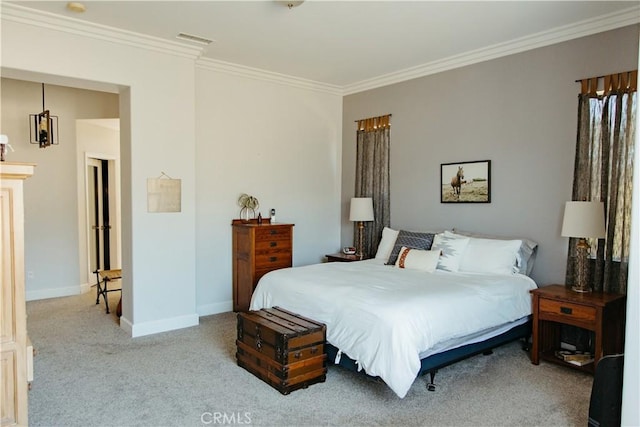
<point>102,287</point>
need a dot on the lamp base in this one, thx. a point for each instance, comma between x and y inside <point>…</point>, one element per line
<point>359,246</point>
<point>581,284</point>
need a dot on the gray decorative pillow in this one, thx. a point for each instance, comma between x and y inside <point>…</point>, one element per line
<point>411,240</point>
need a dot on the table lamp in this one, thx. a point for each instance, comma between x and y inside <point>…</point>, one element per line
<point>583,220</point>
<point>361,211</point>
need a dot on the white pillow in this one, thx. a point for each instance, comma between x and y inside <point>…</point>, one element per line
<point>418,259</point>
<point>526,255</point>
<point>385,246</point>
<point>452,247</point>
<point>490,256</point>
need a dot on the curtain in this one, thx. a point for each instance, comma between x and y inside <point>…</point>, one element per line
<point>604,171</point>
<point>372,176</point>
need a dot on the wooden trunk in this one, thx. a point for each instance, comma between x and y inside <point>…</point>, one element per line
<point>282,348</point>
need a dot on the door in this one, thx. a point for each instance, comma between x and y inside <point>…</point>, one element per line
<point>99,228</point>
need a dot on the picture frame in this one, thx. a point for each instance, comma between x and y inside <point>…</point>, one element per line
<point>465,182</point>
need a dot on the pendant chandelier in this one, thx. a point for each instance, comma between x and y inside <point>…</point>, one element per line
<point>43,127</point>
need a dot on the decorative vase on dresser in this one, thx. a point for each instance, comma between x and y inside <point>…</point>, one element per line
<point>257,250</point>
<point>14,343</point>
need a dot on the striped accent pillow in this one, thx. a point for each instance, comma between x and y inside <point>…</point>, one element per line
<point>418,259</point>
<point>411,240</point>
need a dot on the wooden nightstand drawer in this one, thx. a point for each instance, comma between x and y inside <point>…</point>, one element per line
<point>340,257</point>
<point>567,310</point>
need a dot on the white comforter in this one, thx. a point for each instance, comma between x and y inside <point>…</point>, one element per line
<point>384,317</point>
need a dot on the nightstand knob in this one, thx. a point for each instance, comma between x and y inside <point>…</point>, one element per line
<point>566,310</point>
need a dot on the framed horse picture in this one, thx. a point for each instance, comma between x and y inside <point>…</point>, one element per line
<point>465,182</point>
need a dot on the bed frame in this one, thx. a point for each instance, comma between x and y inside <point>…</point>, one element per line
<point>432,363</point>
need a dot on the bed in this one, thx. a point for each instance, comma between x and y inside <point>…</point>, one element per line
<point>411,310</point>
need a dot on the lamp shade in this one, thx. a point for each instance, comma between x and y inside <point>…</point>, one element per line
<point>584,220</point>
<point>361,209</point>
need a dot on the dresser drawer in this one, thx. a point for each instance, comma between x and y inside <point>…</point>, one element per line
<point>273,233</point>
<point>567,310</point>
<point>276,244</point>
<point>271,260</point>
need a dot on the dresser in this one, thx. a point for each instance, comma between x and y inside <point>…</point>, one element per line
<point>14,343</point>
<point>257,250</point>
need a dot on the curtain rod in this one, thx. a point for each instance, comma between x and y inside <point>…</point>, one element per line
<point>384,115</point>
<point>606,75</point>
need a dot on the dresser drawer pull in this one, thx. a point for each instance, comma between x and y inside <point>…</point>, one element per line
<point>273,244</point>
<point>273,231</point>
<point>273,258</point>
<point>297,355</point>
<point>566,310</point>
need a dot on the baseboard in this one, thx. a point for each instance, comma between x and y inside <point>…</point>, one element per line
<point>54,293</point>
<point>157,326</point>
<point>85,287</point>
<point>217,308</point>
<point>126,325</point>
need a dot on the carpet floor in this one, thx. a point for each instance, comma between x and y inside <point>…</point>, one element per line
<point>89,372</point>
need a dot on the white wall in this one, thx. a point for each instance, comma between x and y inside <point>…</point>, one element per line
<point>631,387</point>
<point>221,132</point>
<point>278,143</point>
<point>158,86</point>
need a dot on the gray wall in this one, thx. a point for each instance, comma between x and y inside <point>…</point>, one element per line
<point>518,111</point>
<point>52,258</point>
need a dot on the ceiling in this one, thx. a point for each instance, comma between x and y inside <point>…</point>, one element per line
<point>349,43</point>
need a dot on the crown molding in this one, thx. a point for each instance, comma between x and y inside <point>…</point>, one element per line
<point>24,15</point>
<point>269,76</point>
<point>584,28</point>
<point>28,16</point>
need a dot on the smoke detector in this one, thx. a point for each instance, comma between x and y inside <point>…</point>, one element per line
<point>291,4</point>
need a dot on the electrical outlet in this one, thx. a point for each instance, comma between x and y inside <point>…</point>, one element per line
<point>30,275</point>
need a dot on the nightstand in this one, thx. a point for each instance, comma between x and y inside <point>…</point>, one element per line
<point>340,257</point>
<point>601,313</point>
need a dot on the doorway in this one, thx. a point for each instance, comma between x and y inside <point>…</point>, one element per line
<point>99,192</point>
<point>102,207</point>
<point>99,227</point>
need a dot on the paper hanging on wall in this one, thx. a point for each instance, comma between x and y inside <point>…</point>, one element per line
<point>164,194</point>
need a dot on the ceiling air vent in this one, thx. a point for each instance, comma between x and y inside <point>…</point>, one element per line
<point>195,39</point>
